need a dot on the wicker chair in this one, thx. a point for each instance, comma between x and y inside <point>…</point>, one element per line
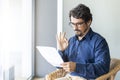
<point>114,68</point>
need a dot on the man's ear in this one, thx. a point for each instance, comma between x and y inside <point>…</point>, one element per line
<point>89,22</point>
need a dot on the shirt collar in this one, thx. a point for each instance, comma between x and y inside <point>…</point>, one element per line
<point>87,36</point>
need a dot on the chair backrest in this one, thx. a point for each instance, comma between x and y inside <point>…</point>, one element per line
<point>114,67</point>
<point>114,62</point>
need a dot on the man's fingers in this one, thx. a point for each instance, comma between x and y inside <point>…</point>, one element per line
<point>66,41</point>
<point>61,37</point>
<point>64,35</point>
<point>66,65</point>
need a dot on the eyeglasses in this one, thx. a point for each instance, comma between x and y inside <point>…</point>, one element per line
<point>76,24</point>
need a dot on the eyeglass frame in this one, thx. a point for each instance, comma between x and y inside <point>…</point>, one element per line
<point>76,24</point>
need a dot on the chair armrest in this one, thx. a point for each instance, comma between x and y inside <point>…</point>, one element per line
<point>112,72</point>
<point>55,74</point>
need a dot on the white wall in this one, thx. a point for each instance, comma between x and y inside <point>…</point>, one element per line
<point>106,21</point>
<point>46,29</point>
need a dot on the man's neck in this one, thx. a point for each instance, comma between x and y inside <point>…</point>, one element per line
<point>80,37</point>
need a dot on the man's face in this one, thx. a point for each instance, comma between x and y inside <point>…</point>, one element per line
<point>79,26</point>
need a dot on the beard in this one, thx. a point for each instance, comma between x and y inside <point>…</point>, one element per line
<point>79,33</point>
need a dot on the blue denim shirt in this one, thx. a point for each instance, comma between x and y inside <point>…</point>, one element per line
<point>91,55</point>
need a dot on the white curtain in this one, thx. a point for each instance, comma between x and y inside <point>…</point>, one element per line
<point>16,36</point>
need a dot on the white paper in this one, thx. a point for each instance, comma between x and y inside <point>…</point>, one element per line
<point>51,55</point>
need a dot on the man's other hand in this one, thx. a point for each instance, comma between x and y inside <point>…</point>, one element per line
<point>69,66</point>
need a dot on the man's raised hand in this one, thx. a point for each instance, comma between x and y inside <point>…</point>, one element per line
<point>62,41</point>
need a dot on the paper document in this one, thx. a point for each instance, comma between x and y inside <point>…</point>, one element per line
<point>51,55</point>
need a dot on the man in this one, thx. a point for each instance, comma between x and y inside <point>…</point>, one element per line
<point>86,55</point>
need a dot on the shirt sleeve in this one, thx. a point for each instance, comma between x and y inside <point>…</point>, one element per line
<point>101,63</point>
<point>63,55</point>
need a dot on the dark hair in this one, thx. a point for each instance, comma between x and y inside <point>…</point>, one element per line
<point>81,11</point>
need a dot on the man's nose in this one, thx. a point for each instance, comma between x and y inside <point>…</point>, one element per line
<point>75,27</point>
